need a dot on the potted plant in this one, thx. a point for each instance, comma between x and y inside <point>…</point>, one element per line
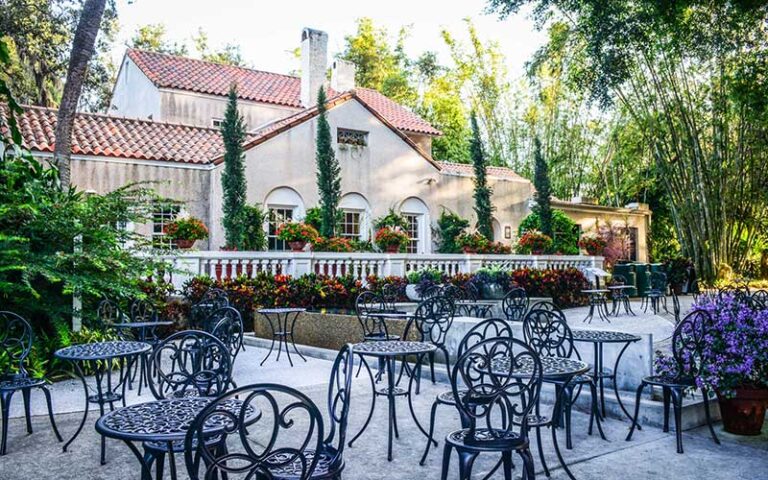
<point>497,248</point>
<point>491,282</point>
<point>534,242</point>
<point>391,239</point>
<point>186,231</point>
<point>678,270</point>
<point>297,234</point>
<point>333,244</point>
<point>419,281</point>
<point>592,243</point>
<point>472,242</point>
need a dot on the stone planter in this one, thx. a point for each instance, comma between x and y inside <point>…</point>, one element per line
<point>411,293</point>
<point>744,414</point>
<point>492,291</point>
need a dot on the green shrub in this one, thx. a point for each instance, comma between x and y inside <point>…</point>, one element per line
<point>450,226</point>
<point>254,238</point>
<point>566,232</point>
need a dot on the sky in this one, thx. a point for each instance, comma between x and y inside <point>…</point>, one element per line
<point>268,31</point>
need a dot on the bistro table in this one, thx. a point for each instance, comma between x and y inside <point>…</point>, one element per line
<point>556,369</point>
<point>389,351</point>
<point>141,332</point>
<point>100,355</point>
<point>597,301</point>
<point>621,298</point>
<point>283,317</point>
<point>598,338</point>
<point>164,422</point>
<point>475,308</point>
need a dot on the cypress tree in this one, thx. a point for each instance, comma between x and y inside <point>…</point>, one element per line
<point>233,183</point>
<point>483,206</point>
<point>328,170</point>
<point>543,189</point>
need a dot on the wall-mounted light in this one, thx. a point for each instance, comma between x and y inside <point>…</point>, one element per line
<point>508,232</point>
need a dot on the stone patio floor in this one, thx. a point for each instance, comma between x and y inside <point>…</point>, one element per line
<point>650,455</point>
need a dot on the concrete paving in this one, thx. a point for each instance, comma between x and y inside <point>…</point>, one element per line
<point>650,455</point>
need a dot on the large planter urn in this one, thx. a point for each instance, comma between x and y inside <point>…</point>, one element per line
<point>184,244</point>
<point>411,293</point>
<point>395,248</point>
<point>744,413</point>
<point>297,246</point>
<point>492,291</point>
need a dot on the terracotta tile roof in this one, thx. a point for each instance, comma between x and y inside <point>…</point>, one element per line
<point>120,137</point>
<point>168,71</point>
<point>465,169</point>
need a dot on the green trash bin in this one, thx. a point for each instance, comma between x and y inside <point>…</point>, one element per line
<point>627,270</point>
<point>643,278</point>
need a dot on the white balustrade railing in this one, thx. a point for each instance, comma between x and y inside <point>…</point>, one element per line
<point>226,264</point>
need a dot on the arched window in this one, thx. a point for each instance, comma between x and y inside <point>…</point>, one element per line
<point>497,234</point>
<point>416,213</point>
<point>283,204</point>
<point>355,217</point>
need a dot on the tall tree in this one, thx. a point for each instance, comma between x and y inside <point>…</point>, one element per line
<point>83,48</point>
<point>543,190</point>
<point>152,38</point>
<point>328,170</point>
<point>230,54</point>
<point>483,205</point>
<point>233,182</point>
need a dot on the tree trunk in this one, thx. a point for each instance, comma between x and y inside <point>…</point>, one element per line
<point>83,48</point>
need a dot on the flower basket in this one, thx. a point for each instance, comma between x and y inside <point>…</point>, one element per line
<point>391,239</point>
<point>297,235</point>
<point>297,245</point>
<point>184,244</point>
<point>744,412</point>
<point>593,244</point>
<point>534,242</point>
<point>472,242</point>
<point>394,248</point>
<point>185,231</point>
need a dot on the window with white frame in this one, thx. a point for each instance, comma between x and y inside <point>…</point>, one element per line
<point>217,122</point>
<point>277,216</point>
<point>412,229</point>
<point>347,136</point>
<point>163,214</point>
<point>350,224</point>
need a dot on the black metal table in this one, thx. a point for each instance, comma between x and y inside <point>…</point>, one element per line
<point>475,308</point>
<point>598,338</point>
<point>553,369</point>
<point>597,302</point>
<point>141,331</point>
<point>281,330</point>
<point>622,300</point>
<point>389,351</point>
<point>100,355</point>
<point>163,421</point>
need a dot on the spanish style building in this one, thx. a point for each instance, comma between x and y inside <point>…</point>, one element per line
<point>163,127</point>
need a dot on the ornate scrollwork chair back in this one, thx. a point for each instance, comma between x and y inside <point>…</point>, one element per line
<point>433,319</point>
<point>658,282</point>
<point>515,304</point>
<point>486,330</point>
<point>548,333</point>
<point>212,300</point>
<point>390,294</point>
<point>545,305</point>
<point>16,339</point>
<point>339,401</point>
<point>227,325</point>
<point>688,343</point>
<point>109,314</point>
<point>374,328</point>
<point>271,431</point>
<point>191,363</point>
<point>759,299</point>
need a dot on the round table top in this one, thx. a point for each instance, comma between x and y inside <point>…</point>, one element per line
<point>594,290</point>
<point>603,336</point>
<point>281,310</point>
<point>392,348</point>
<point>163,420</point>
<point>552,367</point>
<point>159,323</point>
<point>394,315</point>
<point>102,350</point>
<point>620,287</point>
<point>476,302</point>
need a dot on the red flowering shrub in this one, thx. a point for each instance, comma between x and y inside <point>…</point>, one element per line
<point>496,248</point>
<point>187,229</point>
<point>377,284</point>
<point>333,244</point>
<point>297,232</point>
<point>535,242</point>
<point>564,286</point>
<point>593,244</point>
<point>390,237</point>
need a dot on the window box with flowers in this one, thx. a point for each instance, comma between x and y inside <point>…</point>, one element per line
<point>391,239</point>
<point>534,242</point>
<point>592,243</point>
<point>297,235</point>
<point>186,231</point>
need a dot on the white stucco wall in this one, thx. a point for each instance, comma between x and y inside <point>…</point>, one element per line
<point>134,95</point>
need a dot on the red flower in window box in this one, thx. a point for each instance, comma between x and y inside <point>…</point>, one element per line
<point>186,231</point>
<point>297,235</point>
<point>391,239</point>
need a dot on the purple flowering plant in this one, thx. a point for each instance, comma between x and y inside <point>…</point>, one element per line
<point>734,351</point>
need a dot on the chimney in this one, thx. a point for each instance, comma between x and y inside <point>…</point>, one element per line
<point>314,61</point>
<point>342,75</point>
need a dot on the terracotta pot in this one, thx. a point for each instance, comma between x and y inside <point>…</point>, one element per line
<point>393,248</point>
<point>184,244</point>
<point>297,246</point>
<point>744,414</point>
<point>537,252</point>
<point>469,250</point>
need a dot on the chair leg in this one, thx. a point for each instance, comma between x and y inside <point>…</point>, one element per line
<point>595,412</point>
<point>431,432</point>
<point>5,406</point>
<point>540,447</point>
<point>637,410</point>
<point>506,457</point>
<point>705,394</point>
<point>48,402</point>
<point>529,473</point>
<point>25,395</point>
<point>447,450</point>
<point>677,401</point>
<point>568,397</point>
<point>432,366</point>
<point>466,460</point>
<point>666,395</point>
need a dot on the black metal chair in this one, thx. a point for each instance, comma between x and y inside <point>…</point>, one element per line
<point>280,442</point>
<point>213,299</point>
<point>545,305</point>
<point>374,328</point>
<point>656,296</point>
<point>759,299</point>
<point>687,345</point>
<point>515,304</point>
<point>390,295</point>
<point>16,338</point>
<point>487,329</point>
<point>548,333</point>
<point>493,382</point>
<point>620,297</point>
<point>109,314</point>
<point>432,320</point>
<point>227,325</point>
<point>190,363</point>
